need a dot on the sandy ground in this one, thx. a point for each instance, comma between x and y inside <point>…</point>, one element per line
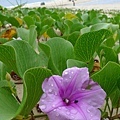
<point>79,4</point>
<point>67,4</point>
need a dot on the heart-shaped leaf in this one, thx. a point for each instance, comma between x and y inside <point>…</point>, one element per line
<point>60,51</point>
<point>33,79</point>
<point>77,63</point>
<point>8,105</point>
<point>26,57</point>
<point>108,76</point>
<point>88,43</point>
<point>8,57</point>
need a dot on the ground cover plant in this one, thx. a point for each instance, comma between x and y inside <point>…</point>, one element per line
<point>39,46</point>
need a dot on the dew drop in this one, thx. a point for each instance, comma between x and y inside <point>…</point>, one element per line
<point>54,110</point>
<point>68,113</point>
<point>42,106</point>
<point>70,77</point>
<point>59,108</point>
<point>72,72</point>
<point>52,85</point>
<point>53,105</point>
<point>83,89</point>
<point>50,90</point>
<point>88,110</point>
<point>66,73</point>
<point>73,111</point>
<point>57,114</point>
<point>72,117</point>
<point>91,115</point>
<point>44,96</point>
<point>55,94</point>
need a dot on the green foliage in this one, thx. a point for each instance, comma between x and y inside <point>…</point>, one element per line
<point>60,51</point>
<point>107,77</point>
<point>52,40</point>
<point>8,104</point>
<point>33,78</point>
<point>88,43</point>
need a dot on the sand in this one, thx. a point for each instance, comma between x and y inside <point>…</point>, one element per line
<point>79,4</point>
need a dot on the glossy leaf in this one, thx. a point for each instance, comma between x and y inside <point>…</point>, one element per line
<point>107,77</point>
<point>33,79</point>
<point>88,43</point>
<point>13,21</point>
<point>8,57</point>
<point>73,63</point>
<point>8,105</point>
<point>26,57</point>
<point>29,21</point>
<point>115,98</point>
<point>60,51</point>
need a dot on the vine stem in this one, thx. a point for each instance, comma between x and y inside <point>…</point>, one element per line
<point>42,115</point>
<point>115,117</point>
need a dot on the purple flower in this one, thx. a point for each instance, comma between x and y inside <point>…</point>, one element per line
<point>74,96</point>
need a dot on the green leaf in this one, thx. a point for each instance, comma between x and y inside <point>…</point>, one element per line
<point>26,57</point>
<point>110,54</point>
<point>88,43</point>
<point>73,37</point>
<point>8,57</point>
<point>28,35</point>
<point>29,21</point>
<point>3,40</point>
<point>33,79</point>
<point>32,36</point>
<point>13,21</point>
<point>115,98</point>
<point>8,105</point>
<point>23,33</point>
<point>51,33</point>
<point>107,77</point>
<point>60,51</point>
<point>3,18</point>
<point>110,26</point>
<point>73,63</point>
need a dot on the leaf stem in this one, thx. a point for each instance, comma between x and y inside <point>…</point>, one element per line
<point>42,115</point>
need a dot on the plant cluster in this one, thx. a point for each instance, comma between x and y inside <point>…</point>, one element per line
<point>40,42</point>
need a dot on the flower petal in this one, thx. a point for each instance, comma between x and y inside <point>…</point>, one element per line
<point>49,102</point>
<point>93,96</point>
<point>53,85</point>
<point>73,78</point>
<point>83,112</point>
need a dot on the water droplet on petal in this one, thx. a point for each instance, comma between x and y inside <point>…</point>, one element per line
<point>72,72</point>
<point>57,114</point>
<point>44,96</point>
<point>53,105</point>
<point>44,90</point>
<point>68,113</point>
<point>42,106</point>
<point>73,111</point>
<point>59,108</point>
<point>50,90</point>
<point>70,77</point>
<point>56,93</point>
<point>52,85</point>
<point>65,73</point>
<point>88,110</point>
<point>83,89</point>
<point>72,117</point>
<point>54,110</point>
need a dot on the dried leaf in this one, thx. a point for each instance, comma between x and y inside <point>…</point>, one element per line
<point>9,33</point>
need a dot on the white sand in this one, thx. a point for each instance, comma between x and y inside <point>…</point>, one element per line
<point>78,5</point>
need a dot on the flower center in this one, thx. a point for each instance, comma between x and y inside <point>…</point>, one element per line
<point>67,101</point>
